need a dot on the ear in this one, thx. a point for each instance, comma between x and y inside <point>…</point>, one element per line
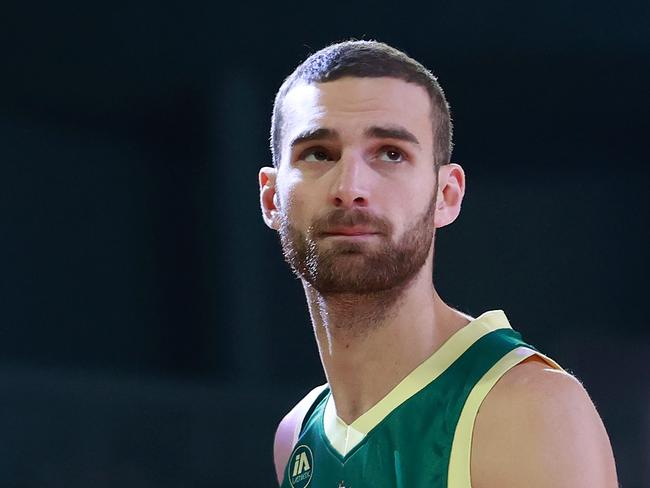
<point>451,189</point>
<point>269,199</point>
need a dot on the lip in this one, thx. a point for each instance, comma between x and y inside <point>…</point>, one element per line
<point>350,232</point>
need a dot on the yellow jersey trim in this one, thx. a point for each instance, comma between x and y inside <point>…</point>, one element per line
<point>459,474</point>
<point>345,437</point>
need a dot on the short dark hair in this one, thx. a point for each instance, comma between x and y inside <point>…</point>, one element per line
<point>367,59</point>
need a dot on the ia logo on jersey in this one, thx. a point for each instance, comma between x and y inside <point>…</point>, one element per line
<point>301,467</point>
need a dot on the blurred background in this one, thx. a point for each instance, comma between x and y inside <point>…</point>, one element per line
<point>151,334</point>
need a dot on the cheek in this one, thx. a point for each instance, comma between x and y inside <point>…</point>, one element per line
<point>302,195</point>
<point>409,211</point>
<point>287,191</point>
<point>296,207</point>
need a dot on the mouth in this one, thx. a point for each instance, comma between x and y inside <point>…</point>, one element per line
<point>350,232</point>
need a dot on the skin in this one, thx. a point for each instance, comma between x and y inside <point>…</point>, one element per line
<point>370,340</point>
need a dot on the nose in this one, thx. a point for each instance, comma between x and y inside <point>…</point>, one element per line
<point>351,182</point>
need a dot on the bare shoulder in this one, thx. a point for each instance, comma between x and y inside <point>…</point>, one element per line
<point>538,424</point>
<point>288,430</point>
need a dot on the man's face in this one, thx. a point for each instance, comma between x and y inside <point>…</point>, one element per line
<point>356,184</point>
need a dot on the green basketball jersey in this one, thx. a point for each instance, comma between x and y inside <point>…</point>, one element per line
<point>419,435</point>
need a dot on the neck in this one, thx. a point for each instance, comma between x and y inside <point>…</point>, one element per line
<point>369,343</point>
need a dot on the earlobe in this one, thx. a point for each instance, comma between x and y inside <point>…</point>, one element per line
<point>268,197</point>
<point>451,189</point>
<point>275,213</point>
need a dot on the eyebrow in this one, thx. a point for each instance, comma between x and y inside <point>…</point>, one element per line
<point>391,132</point>
<point>315,134</point>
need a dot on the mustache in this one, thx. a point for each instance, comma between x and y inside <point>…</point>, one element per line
<point>349,218</point>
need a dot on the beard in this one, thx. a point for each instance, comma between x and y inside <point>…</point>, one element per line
<point>357,268</point>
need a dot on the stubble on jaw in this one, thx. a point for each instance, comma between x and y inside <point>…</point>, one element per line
<point>360,282</point>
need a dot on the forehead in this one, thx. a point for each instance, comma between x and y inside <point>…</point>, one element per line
<point>351,104</point>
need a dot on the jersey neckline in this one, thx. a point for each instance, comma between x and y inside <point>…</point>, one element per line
<point>343,438</point>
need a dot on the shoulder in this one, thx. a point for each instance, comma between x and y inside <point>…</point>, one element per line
<point>539,424</point>
<point>288,430</point>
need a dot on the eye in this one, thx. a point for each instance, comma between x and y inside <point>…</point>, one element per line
<point>315,155</point>
<point>391,155</point>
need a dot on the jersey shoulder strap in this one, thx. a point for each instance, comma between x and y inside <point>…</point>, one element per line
<point>291,426</point>
<point>323,390</point>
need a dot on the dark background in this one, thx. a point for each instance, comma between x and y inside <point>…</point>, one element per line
<point>150,333</point>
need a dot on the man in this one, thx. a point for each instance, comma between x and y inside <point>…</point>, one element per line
<point>418,394</point>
